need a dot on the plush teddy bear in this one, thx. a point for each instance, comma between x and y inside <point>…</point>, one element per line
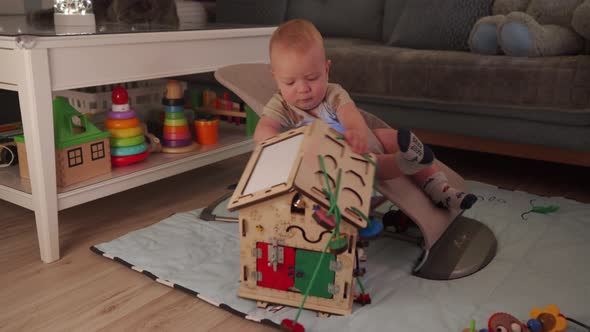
<point>533,28</point>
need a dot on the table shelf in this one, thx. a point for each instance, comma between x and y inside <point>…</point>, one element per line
<point>37,63</point>
<point>232,142</point>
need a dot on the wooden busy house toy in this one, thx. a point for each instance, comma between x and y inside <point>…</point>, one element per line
<point>82,151</point>
<point>287,219</point>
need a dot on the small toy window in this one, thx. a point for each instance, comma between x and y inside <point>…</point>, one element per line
<point>75,157</point>
<point>97,150</point>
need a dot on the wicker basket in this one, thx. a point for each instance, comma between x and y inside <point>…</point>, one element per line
<point>97,99</point>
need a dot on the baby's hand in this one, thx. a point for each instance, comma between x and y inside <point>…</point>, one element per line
<point>357,139</point>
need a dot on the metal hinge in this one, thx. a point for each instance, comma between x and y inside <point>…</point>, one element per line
<point>333,289</point>
<point>256,275</point>
<point>335,266</point>
<point>276,254</point>
<point>257,252</point>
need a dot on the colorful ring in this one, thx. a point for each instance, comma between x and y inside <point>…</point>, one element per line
<point>177,136</point>
<point>175,115</point>
<point>175,122</point>
<point>127,141</point>
<point>175,129</point>
<point>193,146</point>
<point>128,160</point>
<point>121,124</point>
<point>123,151</point>
<point>121,115</point>
<point>173,102</point>
<point>120,107</point>
<point>174,109</point>
<point>125,133</point>
<point>177,143</point>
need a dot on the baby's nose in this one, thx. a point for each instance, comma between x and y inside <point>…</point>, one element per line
<point>303,87</point>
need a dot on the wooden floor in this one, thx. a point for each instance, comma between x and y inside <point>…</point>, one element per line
<point>84,292</point>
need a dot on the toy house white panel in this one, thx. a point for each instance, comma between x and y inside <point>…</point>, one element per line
<point>275,164</point>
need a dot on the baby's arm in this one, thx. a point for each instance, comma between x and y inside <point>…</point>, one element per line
<point>357,131</point>
<point>267,127</point>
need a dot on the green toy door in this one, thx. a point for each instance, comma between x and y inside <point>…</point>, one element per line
<point>305,264</point>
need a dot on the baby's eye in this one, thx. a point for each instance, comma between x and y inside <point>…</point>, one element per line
<point>289,83</point>
<point>312,78</point>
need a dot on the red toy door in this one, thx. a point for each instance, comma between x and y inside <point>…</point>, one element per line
<point>278,272</point>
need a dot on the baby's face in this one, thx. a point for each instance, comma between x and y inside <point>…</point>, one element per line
<point>302,77</point>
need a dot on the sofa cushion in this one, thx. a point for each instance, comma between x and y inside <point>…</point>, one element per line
<point>341,18</point>
<point>391,14</point>
<point>438,25</point>
<point>554,89</point>
<point>270,12</point>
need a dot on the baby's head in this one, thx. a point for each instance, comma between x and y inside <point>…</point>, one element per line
<point>299,65</point>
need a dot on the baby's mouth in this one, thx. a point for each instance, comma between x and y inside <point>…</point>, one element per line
<point>305,101</point>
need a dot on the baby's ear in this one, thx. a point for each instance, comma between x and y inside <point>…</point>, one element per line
<point>328,64</point>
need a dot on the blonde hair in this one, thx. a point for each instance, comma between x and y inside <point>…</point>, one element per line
<point>296,34</point>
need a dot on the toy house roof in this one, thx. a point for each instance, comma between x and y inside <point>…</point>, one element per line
<point>69,133</point>
<point>290,161</point>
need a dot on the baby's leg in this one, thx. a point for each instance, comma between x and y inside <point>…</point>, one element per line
<point>409,153</point>
<point>436,186</point>
<point>416,162</point>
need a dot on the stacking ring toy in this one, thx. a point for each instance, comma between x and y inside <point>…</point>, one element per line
<point>177,143</point>
<point>174,115</point>
<point>175,122</point>
<point>127,141</point>
<point>174,109</point>
<point>121,124</point>
<point>128,150</point>
<point>121,115</point>
<point>124,133</point>
<point>177,136</point>
<point>120,107</point>
<point>176,129</point>
<point>172,102</point>
<point>128,160</point>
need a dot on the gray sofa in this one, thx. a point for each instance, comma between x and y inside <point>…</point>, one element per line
<point>407,62</point>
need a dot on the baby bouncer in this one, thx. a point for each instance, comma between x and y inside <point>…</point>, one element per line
<point>453,246</point>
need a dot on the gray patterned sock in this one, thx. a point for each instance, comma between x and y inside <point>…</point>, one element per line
<point>445,196</point>
<point>413,156</point>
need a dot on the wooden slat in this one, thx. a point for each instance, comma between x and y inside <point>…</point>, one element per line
<point>528,151</point>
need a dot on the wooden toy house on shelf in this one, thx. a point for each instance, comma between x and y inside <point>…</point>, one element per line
<point>282,206</point>
<point>82,151</point>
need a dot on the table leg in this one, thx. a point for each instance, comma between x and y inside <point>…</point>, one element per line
<point>37,117</point>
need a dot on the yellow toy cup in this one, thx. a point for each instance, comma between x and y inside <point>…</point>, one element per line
<point>207,131</point>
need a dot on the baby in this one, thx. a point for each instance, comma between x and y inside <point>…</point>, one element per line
<point>300,69</point>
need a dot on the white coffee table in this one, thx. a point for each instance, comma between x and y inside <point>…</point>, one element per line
<point>37,61</point>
